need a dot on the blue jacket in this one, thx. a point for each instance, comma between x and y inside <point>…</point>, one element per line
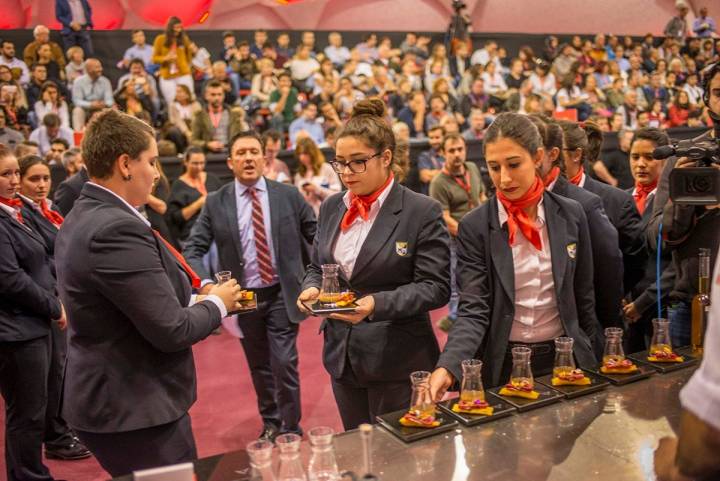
<point>63,14</point>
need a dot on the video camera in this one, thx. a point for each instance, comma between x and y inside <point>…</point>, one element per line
<point>458,5</point>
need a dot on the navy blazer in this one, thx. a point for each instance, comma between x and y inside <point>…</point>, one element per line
<point>607,257</point>
<point>620,209</point>
<point>129,358</point>
<point>63,14</point>
<point>293,227</point>
<point>404,264</point>
<point>69,190</point>
<point>485,277</point>
<point>40,224</point>
<point>27,283</point>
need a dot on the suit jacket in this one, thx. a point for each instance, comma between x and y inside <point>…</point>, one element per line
<point>293,227</point>
<point>485,277</point>
<point>69,190</point>
<point>27,284</point>
<point>129,359</point>
<point>607,258</point>
<point>41,225</point>
<point>63,14</point>
<point>404,264</point>
<point>620,209</point>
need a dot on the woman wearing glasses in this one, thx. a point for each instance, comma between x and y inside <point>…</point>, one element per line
<point>391,246</point>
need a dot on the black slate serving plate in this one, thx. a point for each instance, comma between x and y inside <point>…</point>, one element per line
<point>664,367</point>
<point>598,383</point>
<point>391,422</point>
<point>501,409</point>
<point>644,371</point>
<point>548,395</point>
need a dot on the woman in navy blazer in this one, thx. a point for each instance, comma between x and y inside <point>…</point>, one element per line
<point>524,241</point>
<point>28,303</point>
<point>392,248</point>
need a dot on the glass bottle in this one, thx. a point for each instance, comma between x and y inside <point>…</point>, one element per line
<point>471,390</point>
<point>661,337</point>
<point>521,377</point>
<point>260,454</point>
<point>700,304</point>
<point>291,468</point>
<point>564,361</point>
<point>421,403</point>
<point>330,288</point>
<point>322,465</point>
<point>613,345</point>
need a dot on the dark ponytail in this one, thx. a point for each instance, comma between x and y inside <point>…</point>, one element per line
<point>516,127</point>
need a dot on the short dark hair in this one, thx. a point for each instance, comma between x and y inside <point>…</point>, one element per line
<point>437,127</point>
<point>51,120</point>
<point>656,136</point>
<point>136,61</point>
<point>274,135</point>
<point>60,140</point>
<point>36,65</point>
<point>244,135</point>
<point>452,136</point>
<point>243,43</point>
<point>213,84</point>
<point>228,33</point>
<point>192,151</point>
<point>109,135</point>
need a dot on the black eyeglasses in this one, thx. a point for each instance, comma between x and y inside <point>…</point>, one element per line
<point>356,166</point>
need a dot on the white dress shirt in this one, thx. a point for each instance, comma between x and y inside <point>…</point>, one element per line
<point>536,315</point>
<point>348,243</point>
<point>701,395</point>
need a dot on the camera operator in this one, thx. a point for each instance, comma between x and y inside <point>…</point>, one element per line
<point>687,228</point>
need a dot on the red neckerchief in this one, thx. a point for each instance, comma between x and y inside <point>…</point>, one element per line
<point>194,278</point>
<point>517,218</point>
<point>551,176</point>
<point>641,194</point>
<point>577,177</point>
<point>16,204</point>
<point>54,218</point>
<point>215,117</point>
<point>463,181</point>
<point>360,205</point>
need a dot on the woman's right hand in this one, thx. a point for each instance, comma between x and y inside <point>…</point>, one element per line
<point>308,295</point>
<point>440,382</point>
<point>229,293</point>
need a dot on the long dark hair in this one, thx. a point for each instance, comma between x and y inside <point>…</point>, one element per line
<point>516,127</point>
<point>170,33</point>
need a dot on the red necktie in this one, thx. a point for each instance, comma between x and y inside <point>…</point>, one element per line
<point>194,279</point>
<point>16,204</point>
<point>267,273</point>
<point>464,182</point>
<point>641,194</point>
<point>54,218</point>
<point>517,218</point>
<point>577,177</point>
<point>551,176</point>
<point>360,205</point>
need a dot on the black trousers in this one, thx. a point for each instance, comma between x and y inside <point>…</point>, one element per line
<point>57,432</point>
<point>123,453</point>
<point>23,384</point>
<point>81,38</point>
<point>361,403</point>
<point>270,347</point>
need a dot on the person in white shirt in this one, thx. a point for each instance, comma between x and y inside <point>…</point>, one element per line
<point>694,91</point>
<point>336,52</point>
<point>315,178</point>
<point>7,58</point>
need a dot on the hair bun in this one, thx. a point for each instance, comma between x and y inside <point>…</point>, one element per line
<point>374,107</point>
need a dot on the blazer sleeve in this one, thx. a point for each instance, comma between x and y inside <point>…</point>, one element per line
<point>583,281</point>
<point>199,241</point>
<point>65,197</point>
<point>475,284</point>
<point>430,288</point>
<point>128,271</point>
<point>63,14</point>
<point>632,243</point>
<point>17,285</point>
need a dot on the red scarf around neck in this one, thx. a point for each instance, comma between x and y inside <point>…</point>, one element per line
<point>360,205</point>
<point>518,219</point>
<point>551,176</point>
<point>16,204</point>
<point>54,218</point>
<point>577,177</point>
<point>642,192</point>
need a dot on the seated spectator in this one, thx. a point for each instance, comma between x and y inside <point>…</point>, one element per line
<point>629,110</point>
<point>326,74</point>
<point>260,38</point>
<point>41,36</point>
<point>476,131</point>
<point>517,100</point>
<point>133,98</point>
<point>229,48</point>
<point>14,103</point>
<point>220,74</point>
<point>51,102</point>
<point>50,130</point>
<point>75,68</point>
<point>139,49</point>
<point>181,113</point>
<point>315,179</point>
<point>271,54</point>
<point>516,76</point>
<point>143,80</point>
<point>431,162</point>
<point>38,77</point>
<point>594,97</point>
<point>6,78</point>
<point>335,51</point>
<point>346,96</point>
<point>275,169</point>
<point>486,54</point>
<point>307,125</point>
<point>450,125</point>
<point>9,137</point>
<point>563,63</point>
<point>72,161</point>
<point>91,91</point>
<point>243,64</point>
<point>655,90</point>
<point>543,81</point>
<point>216,123</point>
<point>658,119</point>
<point>694,91</point>
<point>283,48</point>
<point>18,68</point>
<point>494,82</point>
<point>330,118</point>
<point>58,147</point>
<point>438,111</point>
<point>283,103</point>
<point>54,71</point>
<point>367,49</point>
<point>443,88</point>
<point>413,115</point>
<point>679,110</point>
<point>264,82</point>
<point>307,39</point>
<point>615,95</point>
<point>302,67</point>
<point>477,98</point>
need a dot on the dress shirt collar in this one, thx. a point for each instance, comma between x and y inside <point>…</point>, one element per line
<point>379,202</point>
<point>260,186</point>
<point>133,209</point>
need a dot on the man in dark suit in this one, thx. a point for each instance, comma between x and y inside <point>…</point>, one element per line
<point>130,374</point>
<point>75,16</point>
<point>69,190</point>
<point>251,220</point>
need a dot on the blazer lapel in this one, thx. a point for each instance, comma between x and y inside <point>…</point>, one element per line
<point>383,227</point>
<point>230,202</point>
<point>274,201</point>
<point>559,248</point>
<point>23,227</point>
<point>502,259</point>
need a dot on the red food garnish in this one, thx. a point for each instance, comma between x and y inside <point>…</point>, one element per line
<point>476,404</point>
<point>427,420</point>
<point>524,386</point>
<point>664,355</point>
<point>575,375</point>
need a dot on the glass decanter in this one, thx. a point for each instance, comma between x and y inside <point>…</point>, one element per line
<point>564,361</point>
<point>660,342</point>
<point>291,468</point>
<point>613,345</point>
<point>471,390</point>
<point>322,465</point>
<point>421,403</point>
<point>330,288</point>
<point>260,453</point>
<point>521,377</point>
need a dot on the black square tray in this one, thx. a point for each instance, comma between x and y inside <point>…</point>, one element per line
<point>391,422</point>
<point>548,395</point>
<point>317,309</point>
<point>664,367</point>
<point>644,371</point>
<point>501,409</point>
<point>247,306</point>
<point>598,383</point>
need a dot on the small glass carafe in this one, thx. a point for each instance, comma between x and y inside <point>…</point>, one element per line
<point>472,393</point>
<point>564,361</point>
<point>322,465</point>
<point>421,404</point>
<point>613,345</point>
<point>290,468</point>
<point>660,342</point>
<point>260,453</point>
<point>521,377</point>
<point>330,288</point>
